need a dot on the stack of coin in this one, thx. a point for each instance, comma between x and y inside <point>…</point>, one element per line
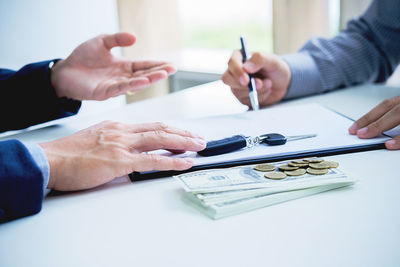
<point>298,167</point>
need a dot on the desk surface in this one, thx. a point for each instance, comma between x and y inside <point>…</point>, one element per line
<point>147,224</point>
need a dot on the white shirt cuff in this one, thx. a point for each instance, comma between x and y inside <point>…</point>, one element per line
<point>39,156</point>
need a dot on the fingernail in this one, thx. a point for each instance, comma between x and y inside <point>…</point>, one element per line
<point>242,80</point>
<point>362,131</point>
<point>250,66</point>
<point>353,128</point>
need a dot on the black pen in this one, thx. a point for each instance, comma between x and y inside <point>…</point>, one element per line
<point>252,84</point>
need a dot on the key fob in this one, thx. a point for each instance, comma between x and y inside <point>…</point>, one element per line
<point>222,146</point>
<point>273,139</point>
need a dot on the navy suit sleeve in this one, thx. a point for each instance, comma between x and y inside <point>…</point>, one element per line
<point>21,182</point>
<point>27,98</point>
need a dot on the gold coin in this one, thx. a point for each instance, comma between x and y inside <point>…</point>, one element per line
<point>287,168</point>
<point>332,164</point>
<point>298,164</point>
<point>297,172</point>
<point>317,171</point>
<point>265,167</point>
<point>299,161</point>
<point>321,165</point>
<point>275,175</point>
<point>313,160</point>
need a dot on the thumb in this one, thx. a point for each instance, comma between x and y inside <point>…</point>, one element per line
<point>393,144</point>
<point>118,39</point>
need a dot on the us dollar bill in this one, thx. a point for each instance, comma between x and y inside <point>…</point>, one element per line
<point>246,177</point>
<point>224,192</point>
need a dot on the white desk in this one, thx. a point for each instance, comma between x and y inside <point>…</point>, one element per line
<point>147,224</point>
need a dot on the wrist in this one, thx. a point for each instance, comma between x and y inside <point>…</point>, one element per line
<point>52,161</point>
<point>56,67</point>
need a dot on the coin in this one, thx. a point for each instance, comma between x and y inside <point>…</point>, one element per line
<point>321,165</point>
<point>265,167</point>
<point>299,161</point>
<point>313,160</point>
<point>332,164</point>
<point>317,171</point>
<point>292,164</point>
<point>287,168</point>
<point>297,172</point>
<point>275,175</point>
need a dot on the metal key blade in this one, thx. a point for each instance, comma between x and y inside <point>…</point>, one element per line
<point>299,137</point>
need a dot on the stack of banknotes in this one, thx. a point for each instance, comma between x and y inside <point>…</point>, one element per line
<point>220,193</point>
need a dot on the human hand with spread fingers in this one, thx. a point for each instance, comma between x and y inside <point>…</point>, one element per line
<point>92,72</point>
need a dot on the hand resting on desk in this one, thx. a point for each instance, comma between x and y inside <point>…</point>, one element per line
<point>383,117</point>
<point>107,150</point>
<point>273,78</point>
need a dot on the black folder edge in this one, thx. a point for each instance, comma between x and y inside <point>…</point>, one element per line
<point>141,176</point>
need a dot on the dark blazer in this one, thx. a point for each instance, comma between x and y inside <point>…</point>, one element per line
<point>27,98</point>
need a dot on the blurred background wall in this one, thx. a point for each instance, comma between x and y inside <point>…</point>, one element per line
<point>38,30</point>
<point>198,36</point>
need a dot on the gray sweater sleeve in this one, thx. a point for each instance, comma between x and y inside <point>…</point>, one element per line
<point>367,51</point>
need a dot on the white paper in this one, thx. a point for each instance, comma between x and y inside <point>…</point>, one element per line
<point>331,129</point>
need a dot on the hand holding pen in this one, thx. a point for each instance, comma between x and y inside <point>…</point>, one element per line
<point>271,77</point>
<point>252,84</point>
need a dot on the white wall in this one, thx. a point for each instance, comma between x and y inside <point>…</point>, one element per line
<point>37,30</point>
<point>43,29</point>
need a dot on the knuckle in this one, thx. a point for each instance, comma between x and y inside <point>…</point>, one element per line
<point>396,109</point>
<point>105,123</point>
<point>375,127</point>
<point>397,99</point>
<point>155,159</point>
<point>274,62</point>
<point>176,163</point>
<point>118,126</point>
<point>224,78</point>
<point>161,135</point>
<point>187,142</point>
<point>161,126</point>
<point>187,133</point>
<point>365,119</point>
<point>115,152</point>
<point>389,103</point>
<point>114,125</point>
<point>257,55</point>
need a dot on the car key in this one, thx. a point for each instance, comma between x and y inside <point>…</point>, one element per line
<point>236,142</point>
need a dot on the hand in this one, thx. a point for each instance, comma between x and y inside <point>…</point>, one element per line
<point>272,77</point>
<point>99,154</point>
<point>383,117</point>
<point>91,72</point>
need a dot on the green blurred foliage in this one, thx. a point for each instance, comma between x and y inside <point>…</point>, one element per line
<point>226,36</point>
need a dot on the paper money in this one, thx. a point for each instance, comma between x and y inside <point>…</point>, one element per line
<point>234,207</point>
<point>224,192</point>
